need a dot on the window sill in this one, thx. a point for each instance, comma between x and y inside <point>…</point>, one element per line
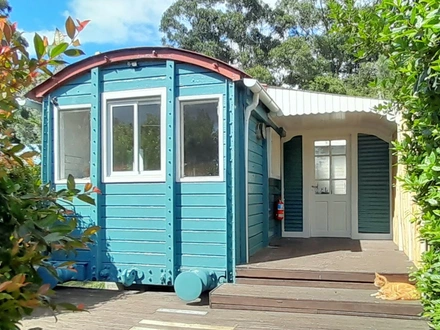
<point>77,181</point>
<point>201,179</point>
<point>133,179</point>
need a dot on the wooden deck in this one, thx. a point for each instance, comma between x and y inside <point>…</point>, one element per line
<point>332,254</point>
<point>116,310</point>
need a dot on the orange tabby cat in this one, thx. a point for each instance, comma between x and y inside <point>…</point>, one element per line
<point>394,290</point>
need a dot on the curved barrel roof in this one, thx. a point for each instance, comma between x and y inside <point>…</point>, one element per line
<point>131,54</point>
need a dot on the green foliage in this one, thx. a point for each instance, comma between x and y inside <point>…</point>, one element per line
<point>291,44</point>
<point>408,34</point>
<point>34,219</point>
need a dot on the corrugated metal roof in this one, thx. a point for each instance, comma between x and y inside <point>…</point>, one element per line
<point>297,102</point>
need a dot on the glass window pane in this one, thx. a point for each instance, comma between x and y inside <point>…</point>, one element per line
<point>123,138</point>
<point>322,147</point>
<point>339,167</point>
<point>339,187</point>
<point>322,167</point>
<point>200,139</point>
<point>149,136</point>
<point>74,144</point>
<point>323,187</point>
<point>339,147</point>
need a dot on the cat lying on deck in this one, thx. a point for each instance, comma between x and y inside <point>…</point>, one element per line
<point>394,290</point>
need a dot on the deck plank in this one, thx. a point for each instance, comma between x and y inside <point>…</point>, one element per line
<point>313,275</point>
<point>305,283</point>
<point>333,254</point>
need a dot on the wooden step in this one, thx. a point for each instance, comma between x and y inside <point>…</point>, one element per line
<point>304,283</point>
<point>313,275</point>
<point>310,300</point>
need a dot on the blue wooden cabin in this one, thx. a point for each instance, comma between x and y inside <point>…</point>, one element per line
<point>162,132</point>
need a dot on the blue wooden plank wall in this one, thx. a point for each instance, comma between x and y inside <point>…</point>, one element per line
<point>141,227</point>
<point>257,186</point>
<point>134,215</point>
<point>293,185</point>
<point>201,207</point>
<point>373,185</point>
<point>274,195</point>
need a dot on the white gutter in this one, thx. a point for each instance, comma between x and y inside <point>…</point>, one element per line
<point>267,100</point>
<point>259,94</point>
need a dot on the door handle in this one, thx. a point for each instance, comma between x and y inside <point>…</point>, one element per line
<point>316,187</point>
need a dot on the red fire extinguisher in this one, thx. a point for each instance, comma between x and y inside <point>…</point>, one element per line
<point>280,210</point>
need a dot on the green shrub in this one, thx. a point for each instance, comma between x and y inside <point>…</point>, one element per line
<point>33,222</point>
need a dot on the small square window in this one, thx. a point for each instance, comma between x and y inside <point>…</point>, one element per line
<point>135,135</point>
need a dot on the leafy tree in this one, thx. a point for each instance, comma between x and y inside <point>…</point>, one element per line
<point>408,34</point>
<point>33,220</point>
<point>293,44</point>
<point>234,31</point>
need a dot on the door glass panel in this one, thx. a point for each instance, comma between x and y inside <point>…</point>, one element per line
<point>338,147</point>
<point>339,167</point>
<point>323,187</point>
<point>322,168</point>
<point>330,167</point>
<point>322,147</point>
<point>339,187</point>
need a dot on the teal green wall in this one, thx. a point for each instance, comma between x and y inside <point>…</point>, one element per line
<point>257,185</point>
<point>293,185</point>
<point>373,185</point>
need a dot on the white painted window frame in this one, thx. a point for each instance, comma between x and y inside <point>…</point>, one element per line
<point>131,97</point>
<point>179,134</point>
<point>56,147</point>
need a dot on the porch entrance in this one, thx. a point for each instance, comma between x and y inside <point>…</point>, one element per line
<point>330,197</point>
<point>337,184</point>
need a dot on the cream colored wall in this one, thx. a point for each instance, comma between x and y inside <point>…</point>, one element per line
<point>405,233</point>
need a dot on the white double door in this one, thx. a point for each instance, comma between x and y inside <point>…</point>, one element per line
<point>329,188</point>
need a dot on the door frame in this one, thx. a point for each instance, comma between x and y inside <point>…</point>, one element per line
<point>310,178</point>
<point>308,136</point>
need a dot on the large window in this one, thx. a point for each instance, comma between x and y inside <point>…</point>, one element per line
<point>72,139</point>
<point>201,139</point>
<point>135,128</point>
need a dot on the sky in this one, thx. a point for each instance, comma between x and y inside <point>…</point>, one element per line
<point>114,24</point>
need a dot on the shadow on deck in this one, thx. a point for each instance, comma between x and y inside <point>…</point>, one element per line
<point>332,254</point>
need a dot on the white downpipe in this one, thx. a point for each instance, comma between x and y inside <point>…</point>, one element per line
<point>247,115</point>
